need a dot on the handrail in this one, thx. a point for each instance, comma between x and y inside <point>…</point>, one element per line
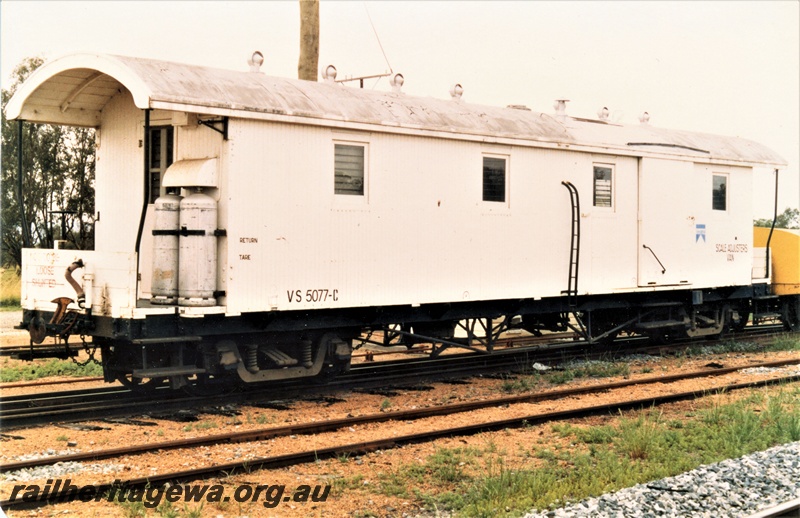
<point>774,220</point>
<point>663,269</point>
<point>575,239</point>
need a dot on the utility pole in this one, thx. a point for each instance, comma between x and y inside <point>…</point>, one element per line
<point>309,40</point>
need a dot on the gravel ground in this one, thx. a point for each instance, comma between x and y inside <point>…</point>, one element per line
<point>734,487</point>
<point>8,319</point>
<point>360,478</point>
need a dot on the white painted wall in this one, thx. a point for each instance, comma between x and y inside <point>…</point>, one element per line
<point>421,234</point>
<point>119,175</point>
<point>674,198</point>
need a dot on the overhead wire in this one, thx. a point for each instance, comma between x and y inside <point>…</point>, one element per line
<point>375,31</point>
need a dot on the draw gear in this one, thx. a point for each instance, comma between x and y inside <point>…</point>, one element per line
<point>78,289</point>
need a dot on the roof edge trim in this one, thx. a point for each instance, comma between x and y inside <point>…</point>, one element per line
<point>103,63</point>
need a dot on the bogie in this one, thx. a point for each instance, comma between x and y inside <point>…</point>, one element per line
<point>791,312</point>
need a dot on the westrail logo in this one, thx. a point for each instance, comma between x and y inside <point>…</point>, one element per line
<point>700,232</point>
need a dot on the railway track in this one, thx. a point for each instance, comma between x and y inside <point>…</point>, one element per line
<point>70,406</point>
<point>64,406</point>
<point>565,340</point>
<point>359,448</point>
<point>27,352</point>
<point>42,383</point>
<point>406,415</point>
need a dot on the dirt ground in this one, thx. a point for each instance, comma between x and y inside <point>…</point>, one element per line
<point>361,485</point>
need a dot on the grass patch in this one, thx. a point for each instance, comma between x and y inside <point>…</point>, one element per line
<point>591,370</point>
<point>446,469</point>
<point>205,425</point>
<point>521,383</point>
<point>143,508</point>
<point>784,342</point>
<point>601,459</point>
<point>33,371</point>
<point>10,286</point>
<point>597,434</point>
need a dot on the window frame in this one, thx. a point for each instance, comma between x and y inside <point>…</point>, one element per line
<point>166,146</point>
<point>506,179</point>
<point>353,196</point>
<point>612,186</point>
<point>714,195</point>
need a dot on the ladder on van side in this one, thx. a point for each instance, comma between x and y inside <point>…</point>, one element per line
<point>575,247</point>
<point>574,258</point>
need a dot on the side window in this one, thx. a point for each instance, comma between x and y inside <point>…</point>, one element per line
<point>603,186</point>
<point>349,164</point>
<point>719,192</point>
<point>161,139</point>
<point>494,179</point>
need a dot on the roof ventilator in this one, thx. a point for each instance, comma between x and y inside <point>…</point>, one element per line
<point>561,109</point>
<point>397,83</point>
<point>644,119</point>
<point>456,91</point>
<point>603,113</point>
<point>329,74</point>
<point>255,61</point>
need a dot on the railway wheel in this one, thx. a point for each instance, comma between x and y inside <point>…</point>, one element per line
<point>791,313</point>
<point>743,312</point>
<point>337,356</point>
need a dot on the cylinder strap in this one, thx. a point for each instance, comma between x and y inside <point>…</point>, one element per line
<point>186,232</point>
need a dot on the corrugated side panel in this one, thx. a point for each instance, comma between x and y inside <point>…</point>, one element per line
<point>252,188</point>
<point>118,177</point>
<point>695,244</point>
<point>421,234</point>
<point>608,253</point>
<point>725,257</point>
<point>195,141</point>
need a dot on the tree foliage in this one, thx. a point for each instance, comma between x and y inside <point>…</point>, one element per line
<point>790,218</point>
<point>58,175</point>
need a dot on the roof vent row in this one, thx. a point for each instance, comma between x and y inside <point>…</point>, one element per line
<point>456,91</point>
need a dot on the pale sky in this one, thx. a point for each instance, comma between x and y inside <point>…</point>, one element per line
<point>730,68</point>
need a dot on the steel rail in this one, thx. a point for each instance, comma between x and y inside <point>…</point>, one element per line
<point>502,343</point>
<point>361,448</point>
<point>21,384</point>
<point>21,411</point>
<point>790,508</point>
<point>28,410</point>
<point>405,415</point>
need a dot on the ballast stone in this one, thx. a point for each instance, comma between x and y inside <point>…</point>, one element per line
<point>733,487</point>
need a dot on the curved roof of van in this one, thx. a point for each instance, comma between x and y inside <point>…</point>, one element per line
<point>74,89</point>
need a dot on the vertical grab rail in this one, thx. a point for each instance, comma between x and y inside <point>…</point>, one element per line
<point>575,246</point>
<point>574,261</point>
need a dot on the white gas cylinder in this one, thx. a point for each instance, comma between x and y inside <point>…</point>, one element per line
<point>198,250</point>
<point>164,284</point>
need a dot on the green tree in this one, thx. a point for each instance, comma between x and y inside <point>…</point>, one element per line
<point>58,175</point>
<point>790,218</point>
